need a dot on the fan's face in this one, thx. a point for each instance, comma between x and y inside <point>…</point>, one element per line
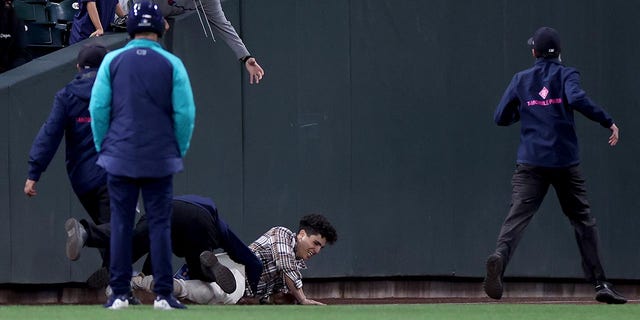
<point>308,246</point>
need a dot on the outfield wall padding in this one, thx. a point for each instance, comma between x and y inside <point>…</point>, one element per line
<point>377,114</point>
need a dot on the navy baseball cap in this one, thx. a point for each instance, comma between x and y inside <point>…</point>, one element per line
<point>546,42</point>
<point>91,56</point>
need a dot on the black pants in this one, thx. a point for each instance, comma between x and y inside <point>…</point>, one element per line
<point>96,203</point>
<point>530,185</point>
<point>193,231</point>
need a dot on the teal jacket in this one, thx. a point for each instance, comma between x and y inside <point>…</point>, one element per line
<point>142,111</point>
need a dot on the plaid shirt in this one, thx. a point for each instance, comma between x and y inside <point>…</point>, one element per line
<point>275,249</point>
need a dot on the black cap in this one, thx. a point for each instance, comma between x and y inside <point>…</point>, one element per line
<point>546,42</point>
<point>91,56</point>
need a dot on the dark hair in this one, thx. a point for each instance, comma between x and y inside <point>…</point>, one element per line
<point>318,224</point>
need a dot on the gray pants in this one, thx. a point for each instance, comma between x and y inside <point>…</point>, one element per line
<point>201,292</point>
<point>530,185</point>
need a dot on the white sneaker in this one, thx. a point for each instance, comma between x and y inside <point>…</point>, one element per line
<point>117,302</point>
<point>167,303</point>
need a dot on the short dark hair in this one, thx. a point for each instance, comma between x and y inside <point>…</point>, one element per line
<point>318,224</point>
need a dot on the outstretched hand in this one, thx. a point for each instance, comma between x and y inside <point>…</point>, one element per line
<point>613,139</point>
<point>255,71</point>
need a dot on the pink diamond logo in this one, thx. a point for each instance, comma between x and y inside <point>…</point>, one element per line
<point>544,92</point>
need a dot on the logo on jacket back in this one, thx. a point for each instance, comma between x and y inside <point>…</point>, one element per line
<point>83,119</point>
<point>544,92</point>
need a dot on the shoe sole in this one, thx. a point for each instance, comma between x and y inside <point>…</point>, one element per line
<point>493,279</point>
<point>223,276</point>
<point>74,240</point>
<point>99,279</point>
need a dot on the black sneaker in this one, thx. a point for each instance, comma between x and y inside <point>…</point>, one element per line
<point>99,279</point>
<point>214,270</point>
<point>606,294</point>
<point>493,280</point>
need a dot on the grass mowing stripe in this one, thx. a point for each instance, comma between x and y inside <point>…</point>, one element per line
<point>342,312</point>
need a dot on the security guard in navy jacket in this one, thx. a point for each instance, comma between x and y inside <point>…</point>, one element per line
<point>70,118</point>
<point>543,98</point>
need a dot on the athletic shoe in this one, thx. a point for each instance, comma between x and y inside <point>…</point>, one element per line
<point>493,280</point>
<point>167,303</point>
<point>76,236</point>
<point>217,272</point>
<point>99,279</point>
<point>117,302</point>
<point>606,294</point>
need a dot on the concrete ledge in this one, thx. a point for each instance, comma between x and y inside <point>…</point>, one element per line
<point>399,288</point>
<point>356,289</point>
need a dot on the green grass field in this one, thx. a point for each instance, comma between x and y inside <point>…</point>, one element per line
<point>347,312</point>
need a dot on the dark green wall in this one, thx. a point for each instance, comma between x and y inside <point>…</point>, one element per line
<point>375,113</point>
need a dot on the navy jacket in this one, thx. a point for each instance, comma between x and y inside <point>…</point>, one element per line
<point>142,111</point>
<point>70,118</point>
<point>543,99</point>
<point>228,241</point>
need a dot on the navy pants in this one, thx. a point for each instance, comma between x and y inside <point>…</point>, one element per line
<point>225,239</point>
<point>240,253</point>
<point>530,185</point>
<point>157,194</point>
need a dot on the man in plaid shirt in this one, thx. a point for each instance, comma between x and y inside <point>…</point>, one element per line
<point>283,254</point>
